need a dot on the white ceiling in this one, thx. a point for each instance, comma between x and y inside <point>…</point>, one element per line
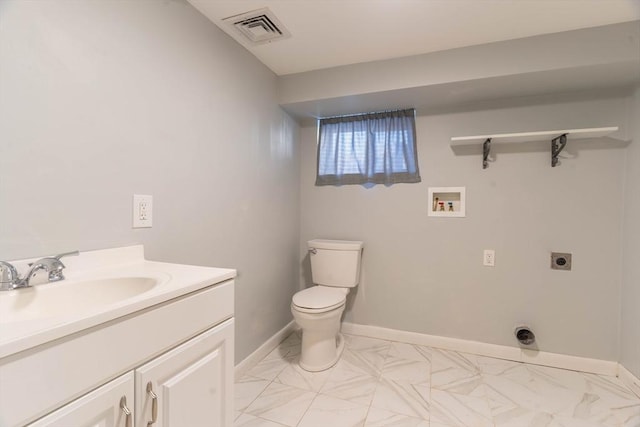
<point>330,33</point>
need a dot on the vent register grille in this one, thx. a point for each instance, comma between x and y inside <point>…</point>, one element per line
<point>258,26</point>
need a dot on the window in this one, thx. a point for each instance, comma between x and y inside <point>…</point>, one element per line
<point>377,148</point>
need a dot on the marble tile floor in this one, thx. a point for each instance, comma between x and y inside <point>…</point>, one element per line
<point>385,383</point>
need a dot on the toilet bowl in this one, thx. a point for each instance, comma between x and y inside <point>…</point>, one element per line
<point>335,268</point>
<point>318,311</point>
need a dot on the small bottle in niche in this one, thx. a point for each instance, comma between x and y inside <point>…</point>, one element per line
<point>441,204</point>
<point>450,206</point>
<point>435,203</point>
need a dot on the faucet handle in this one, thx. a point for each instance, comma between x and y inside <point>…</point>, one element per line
<point>53,265</point>
<point>55,273</point>
<point>57,258</point>
<point>74,253</point>
<point>8,275</point>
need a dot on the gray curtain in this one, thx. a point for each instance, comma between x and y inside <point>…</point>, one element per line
<point>376,148</point>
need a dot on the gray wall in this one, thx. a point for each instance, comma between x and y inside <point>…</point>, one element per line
<point>425,274</point>
<point>101,100</point>
<point>630,325</point>
<point>104,99</point>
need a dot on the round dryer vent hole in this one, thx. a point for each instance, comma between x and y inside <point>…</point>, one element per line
<point>524,335</point>
<point>560,261</point>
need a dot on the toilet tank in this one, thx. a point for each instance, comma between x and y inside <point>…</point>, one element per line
<point>335,262</point>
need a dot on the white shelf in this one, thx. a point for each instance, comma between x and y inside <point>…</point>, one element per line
<point>532,136</point>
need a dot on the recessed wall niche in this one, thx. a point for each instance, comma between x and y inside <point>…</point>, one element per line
<point>447,201</point>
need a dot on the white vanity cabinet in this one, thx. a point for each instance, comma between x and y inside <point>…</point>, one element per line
<point>105,407</point>
<point>188,385</point>
<point>183,347</point>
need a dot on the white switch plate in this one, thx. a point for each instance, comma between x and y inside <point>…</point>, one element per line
<point>142,211</point>
<point>489,259</point>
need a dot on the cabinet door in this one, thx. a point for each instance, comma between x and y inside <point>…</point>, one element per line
<point>99,408</point>
<point>190,385</point>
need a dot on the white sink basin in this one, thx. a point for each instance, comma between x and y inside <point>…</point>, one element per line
<point>61,298</point>
<point>101,286</point>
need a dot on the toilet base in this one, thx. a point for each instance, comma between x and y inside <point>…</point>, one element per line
<point>333,347</point>
<point>322,343</point>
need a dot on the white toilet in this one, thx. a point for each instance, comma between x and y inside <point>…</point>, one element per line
<point>335,269</point>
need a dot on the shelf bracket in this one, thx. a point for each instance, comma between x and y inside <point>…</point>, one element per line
<point>557,145</point>
<point>486,149</point>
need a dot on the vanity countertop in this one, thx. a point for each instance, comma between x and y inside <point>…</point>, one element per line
<point>71,315</point>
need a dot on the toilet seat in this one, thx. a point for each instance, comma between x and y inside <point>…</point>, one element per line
<point>319,299</point>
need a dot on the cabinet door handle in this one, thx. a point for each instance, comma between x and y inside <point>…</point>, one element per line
<point>126,411</point>
<point>154,404</point>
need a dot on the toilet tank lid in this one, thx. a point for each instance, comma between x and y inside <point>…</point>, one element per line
<point>336,245</point>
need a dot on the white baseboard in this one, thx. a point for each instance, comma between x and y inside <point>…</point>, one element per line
<point>629,380</point>
<point>555,360</point>
<point>261,352</point>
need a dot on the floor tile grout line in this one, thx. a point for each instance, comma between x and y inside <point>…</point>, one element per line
<point>258,395</point>
<point>484,392</point>
<point>254,399</point>
<point>380,376</point>
<point>286,385</point>
<point>366,416</point>
<point>486,397</point>
<point>307,410</point>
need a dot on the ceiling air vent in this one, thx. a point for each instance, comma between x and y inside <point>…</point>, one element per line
<point>258,26</point>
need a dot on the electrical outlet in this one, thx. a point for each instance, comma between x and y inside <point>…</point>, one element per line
<point>142,211</point>
<point>489,259</point>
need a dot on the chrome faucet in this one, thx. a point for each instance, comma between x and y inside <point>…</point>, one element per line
<point>9,278</point>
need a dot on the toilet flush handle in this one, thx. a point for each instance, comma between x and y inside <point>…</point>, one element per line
<point>313,251</point>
